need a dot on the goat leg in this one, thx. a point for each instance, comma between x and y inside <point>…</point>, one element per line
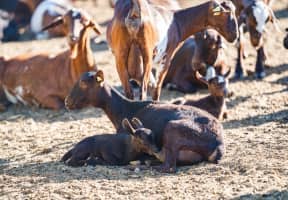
<point>260,73</point>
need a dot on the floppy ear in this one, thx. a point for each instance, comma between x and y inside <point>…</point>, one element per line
<point>99,76</point>
<point>200,78</point>
<point>127,126</point>
<point>137,123</point>
<point>57,21</point>
<point>227,73</point>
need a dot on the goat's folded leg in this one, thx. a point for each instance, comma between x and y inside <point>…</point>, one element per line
<point>259,70</point>
<point>169,165</point>
<point>52,102</point>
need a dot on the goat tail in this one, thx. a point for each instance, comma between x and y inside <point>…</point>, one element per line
<point>133,20</point>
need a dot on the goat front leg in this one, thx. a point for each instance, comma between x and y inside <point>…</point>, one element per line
<point>169,165</point>
<point>259,70</point>
<point>121,63</point>
<point>240,55</point>
<point>147,62</point>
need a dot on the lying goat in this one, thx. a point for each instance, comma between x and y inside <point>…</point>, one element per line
<point>254,14</point>
<point>196,53</point>
<point>132,34</point>
<point>91,90</point>
<point>182,144</point>
<point>106,149</point>
<point>46,79</point>
<point>215,102</point>
<point>285,41</point>
<point>186,23</point>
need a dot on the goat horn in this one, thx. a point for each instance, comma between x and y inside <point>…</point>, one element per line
<point>96,28</point>
<point>227,73</point>
<point>127,126</point>
<point>137,123</point>
<point>59,20</point>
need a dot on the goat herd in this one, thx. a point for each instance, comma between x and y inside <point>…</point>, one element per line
<point>155,44</point>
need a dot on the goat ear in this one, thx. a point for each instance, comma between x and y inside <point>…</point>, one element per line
<point>200,78</point>
<point>96,28</point>
<point>137,123</point>
<point>99,76</point>
<point>59,20</point>
<point>127,126</point>
<point>227,73</point>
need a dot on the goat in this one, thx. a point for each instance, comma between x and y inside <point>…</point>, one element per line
<point>106,149</point>
<point>186,23</point>
<point>46,79</point>
<point>182,143</point>
<point>254,14</point>
<point>46,12</point>
<point>206,48</point>
<point>215,102</point>
<point>161,118</point>
<point>132,34</point>
<point>285,41</point>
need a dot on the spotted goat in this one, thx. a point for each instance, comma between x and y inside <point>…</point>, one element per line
<point>46,79</point>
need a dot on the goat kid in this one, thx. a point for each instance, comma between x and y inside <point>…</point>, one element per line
<point>46,79</point>
<point>181,143</point>
<point>132,34</point>
<point>253,14</point>
<point>204,49</point>
<point>186,23</point>
<point>215,102</point>
<point>91,90</point>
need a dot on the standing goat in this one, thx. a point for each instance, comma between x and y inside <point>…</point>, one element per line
<point>161,118</point>
<point>254,14</point>
<point>136,27</point>
<point>204,50</point>
<point>215,102</point>
<point>183,143</point>
<point>186,23</point>
<point>46,79</point>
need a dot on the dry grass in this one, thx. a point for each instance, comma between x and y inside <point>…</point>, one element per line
<point>255,166</point>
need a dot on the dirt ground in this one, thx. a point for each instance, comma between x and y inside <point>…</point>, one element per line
<point>255,166</point>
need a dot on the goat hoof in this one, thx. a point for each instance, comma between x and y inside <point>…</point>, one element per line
<point>260,75</point>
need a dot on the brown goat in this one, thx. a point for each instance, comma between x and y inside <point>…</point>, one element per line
<point>182,143</point>
<point>161,118</point>
<point>186,23</point>
<point>254,14</point>
<point>285,41</point>
<point>46,79</point>
<point>215,102</point>
<point>196,53</point>
<point>45,13</point>
<point>106,149</point>
<point>132,34</point>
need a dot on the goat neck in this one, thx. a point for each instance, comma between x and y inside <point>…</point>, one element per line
<point>117,107</point>
<point>193,15</point>
<point>84,61</point>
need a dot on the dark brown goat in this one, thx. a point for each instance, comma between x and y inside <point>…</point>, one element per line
<point>186,23</point>
<point>132,34</point>
<point>196,53</point>
<point>215,102</point>
<point>106,149</point>
<point>254,14</point>
<point>285,41</point>
<point>182,144</point>
<point>46,79</point>
<point>91,90</point>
